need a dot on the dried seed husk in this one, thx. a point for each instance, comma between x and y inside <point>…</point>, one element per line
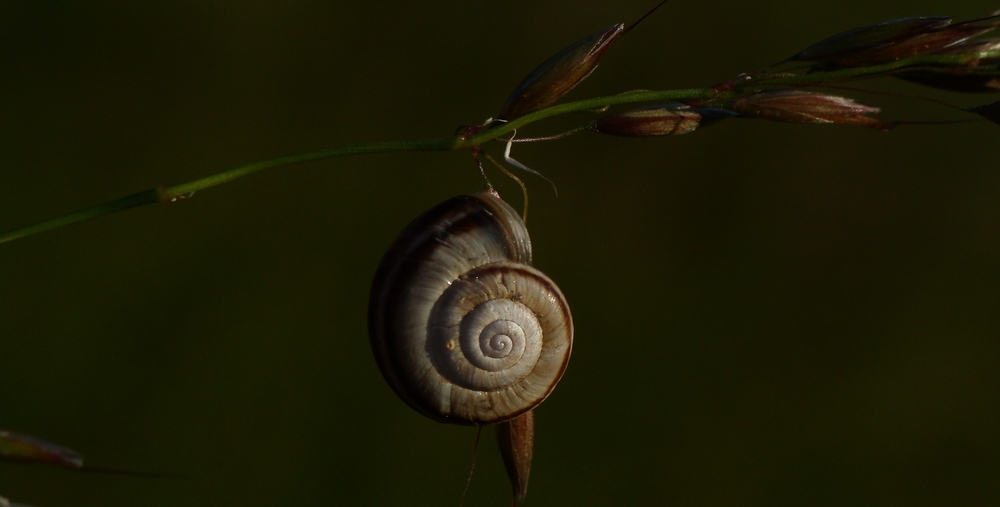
<point>559,74</point>
<point>516,438</point>
<point>796,106</point>
<point>851,42</point>
<point>659,120</point>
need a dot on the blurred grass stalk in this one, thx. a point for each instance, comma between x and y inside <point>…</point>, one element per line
<point>927,50</point>
<point>7,503</point>
<point>714,96</point>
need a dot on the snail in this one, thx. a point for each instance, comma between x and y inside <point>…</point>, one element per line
<point>463,328</point>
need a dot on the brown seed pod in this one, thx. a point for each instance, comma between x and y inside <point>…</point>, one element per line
<point>658,120</point>
<point>558,75</point>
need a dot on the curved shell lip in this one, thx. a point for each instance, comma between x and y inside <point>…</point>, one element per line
<point>394,281</point>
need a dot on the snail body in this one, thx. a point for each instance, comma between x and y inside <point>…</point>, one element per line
<point>463,328</point>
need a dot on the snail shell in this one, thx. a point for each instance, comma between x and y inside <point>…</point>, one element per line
<point>463,328</point>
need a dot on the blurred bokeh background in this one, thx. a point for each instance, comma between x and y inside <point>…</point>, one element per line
<point>767,314</point>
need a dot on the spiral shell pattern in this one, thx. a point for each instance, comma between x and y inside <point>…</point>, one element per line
<point>463,328</point>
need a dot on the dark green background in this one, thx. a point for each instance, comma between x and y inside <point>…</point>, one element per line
<point>767,314</point>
